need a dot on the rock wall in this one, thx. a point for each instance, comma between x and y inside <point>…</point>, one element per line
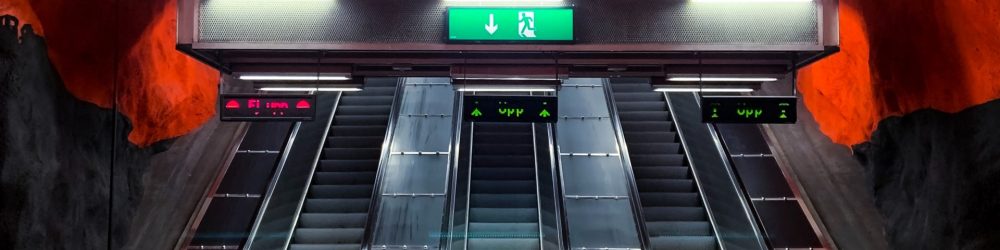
<point>936,178</point>
<point>58,156</point>
<point>162,92</point>
<point>899,56</point>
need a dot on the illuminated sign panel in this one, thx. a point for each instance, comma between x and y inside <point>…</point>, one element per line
<point>510,109</point>
<point>498,25</point>
<point>270,107</point>
<point>748,109</point>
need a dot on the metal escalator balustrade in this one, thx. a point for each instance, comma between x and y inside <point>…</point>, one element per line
<point>335,211</point>
<point>673,210</point>
<point>503,202</point>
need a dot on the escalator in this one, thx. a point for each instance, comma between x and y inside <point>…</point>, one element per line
<point>336,206</point>
<point>675,217</point>
<point>503,196</point>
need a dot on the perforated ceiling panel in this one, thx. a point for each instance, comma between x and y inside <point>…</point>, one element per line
<point>422,21</point>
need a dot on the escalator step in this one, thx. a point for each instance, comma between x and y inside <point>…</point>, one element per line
<point>503,161</point>
<point>344,178</point>
<point>352,153</point>
<point>670,199</point>
<point>666,172</point>
<point>360,119</point>
<point>674,214</point>
<point>348,165</point>
<point>503,187</point>
<point>503,174</point>
<point>328,235</point>
<point>502,215</point>
<point>665,185</point>
<point>654,148</point>
<point>684,242</point>
<point>679,228</point>
<point>348,100</point>
<point>503,244</point>
<point>364,110</point>
<point>638,96</point>
<point>663,126</point>
<point>503,200</point>
<point>657,160</point>
<point>349,130</point>
<point>503,230</point>
<point>379,90</point>
<point>639,106</point>
<point>340,191</point>
<point>332,220</point>
<point>358,205</point>
<point>501,138</point>
<point>346,141</point>
<point>483,150</point>
<point>647,137</point>
<point>644,116</point>
<point>324,246</point>
<point>499,126</point>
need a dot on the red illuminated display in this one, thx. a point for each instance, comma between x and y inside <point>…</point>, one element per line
<point>248,107</point>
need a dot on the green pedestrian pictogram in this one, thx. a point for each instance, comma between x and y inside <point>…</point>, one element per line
<point>715,113</point>
<point>544,113</point>
<point>476,113</point>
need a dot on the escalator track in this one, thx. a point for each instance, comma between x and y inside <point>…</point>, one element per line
<point>335,211</point>
<point>503,203</point>
<point>674,214</point>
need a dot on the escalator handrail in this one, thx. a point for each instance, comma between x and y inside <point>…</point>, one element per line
<point>273,183</point>
<point>376,197</point>
<point>468,181</point>
<point>456,144</point>
<point>538,189</point>
<point>694,172</point>
<point>633,189</point>
<point>557,188</point>
<point>743,188</point>
<point>312,173</point>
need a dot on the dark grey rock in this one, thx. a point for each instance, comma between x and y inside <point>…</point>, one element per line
<point>56,157</point>
<point>936,178</point>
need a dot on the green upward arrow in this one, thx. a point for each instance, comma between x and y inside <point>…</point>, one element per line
<point>545,113</point>
<point>476,113</point>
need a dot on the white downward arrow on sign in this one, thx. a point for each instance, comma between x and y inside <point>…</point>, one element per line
<point>491,28</point>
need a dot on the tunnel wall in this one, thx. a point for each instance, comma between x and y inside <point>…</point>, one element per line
<point>934,176</point>
<point>74,173</point>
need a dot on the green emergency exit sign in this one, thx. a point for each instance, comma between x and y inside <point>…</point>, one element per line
<point>516,25</point>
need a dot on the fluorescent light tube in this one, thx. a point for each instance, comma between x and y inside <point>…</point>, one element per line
<point>506,90</point>
<point>293,78</point>
<point>722,79</point>
<point>751,1</point>
<point>300,89</point>
<point>706,90</point>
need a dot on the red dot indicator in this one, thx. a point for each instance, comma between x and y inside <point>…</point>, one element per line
<point>302,104</point>
<point>232,104</point>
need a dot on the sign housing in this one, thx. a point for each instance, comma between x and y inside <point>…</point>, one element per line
<point>544,109</point>
<point>267,107</point>
<point>748,109</point>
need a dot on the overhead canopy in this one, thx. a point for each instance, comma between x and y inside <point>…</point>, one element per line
<point>371,36</point>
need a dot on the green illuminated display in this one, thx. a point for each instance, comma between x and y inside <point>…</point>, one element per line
<point>510,108</point>
<point>510,24</point>
<point>748,109</point>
